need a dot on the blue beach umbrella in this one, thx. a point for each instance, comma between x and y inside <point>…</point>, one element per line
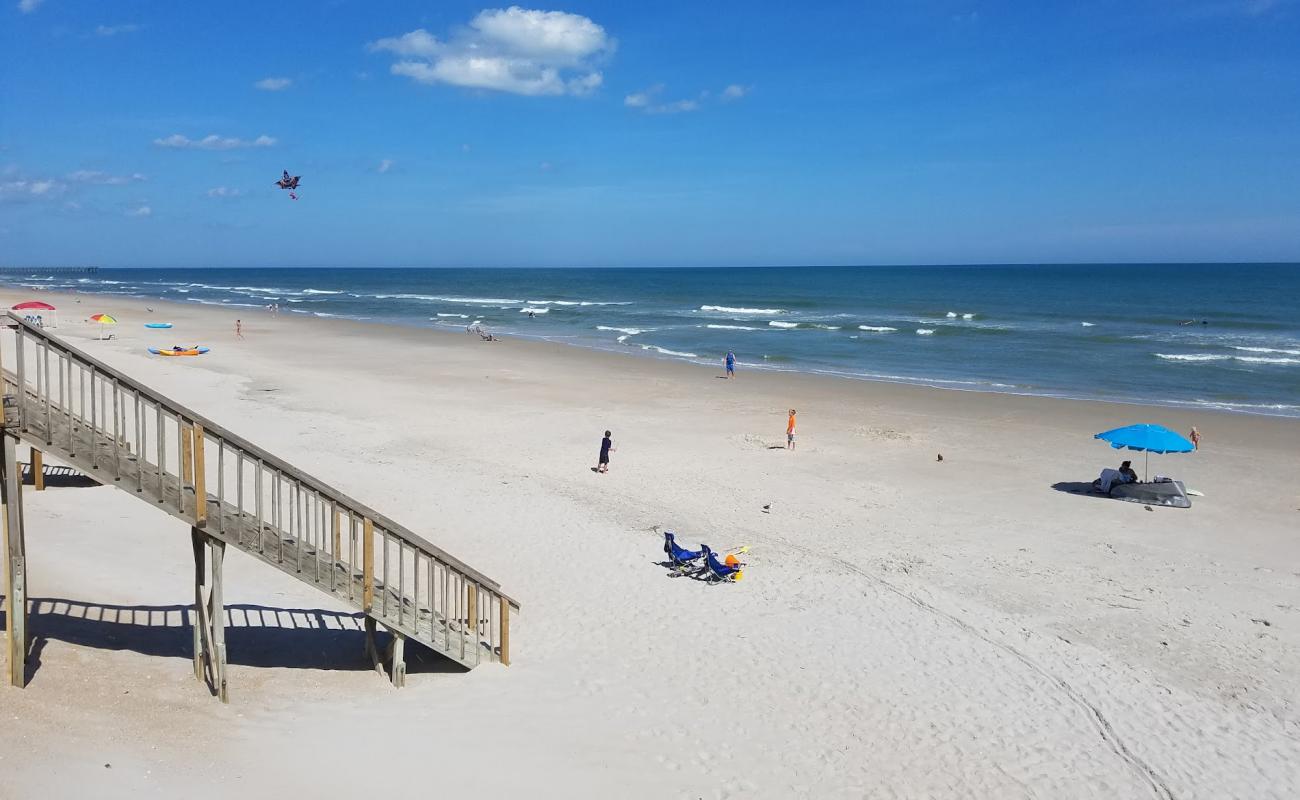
<point>1148,439</point>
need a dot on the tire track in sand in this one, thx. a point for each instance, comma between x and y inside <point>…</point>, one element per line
<point>1144,771</point>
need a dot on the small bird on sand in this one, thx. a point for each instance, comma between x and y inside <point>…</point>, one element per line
<point>940,458</point>
<point>767,509</point>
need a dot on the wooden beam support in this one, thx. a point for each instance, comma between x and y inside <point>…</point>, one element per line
<point>200,577</point>
<point>217,616</point>
<point>15,555</point>
<point>397,659</point>
<point>209,613</point>
<point>200,480</point>
<point>38,470</point>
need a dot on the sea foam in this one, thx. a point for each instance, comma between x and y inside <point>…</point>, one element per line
<point>742,310</point>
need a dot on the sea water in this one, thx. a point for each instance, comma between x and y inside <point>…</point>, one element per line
<point>1215,335</point>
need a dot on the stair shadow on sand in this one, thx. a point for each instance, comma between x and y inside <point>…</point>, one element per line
<point>256,636</point>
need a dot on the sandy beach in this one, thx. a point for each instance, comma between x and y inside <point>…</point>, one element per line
<point>906,627</point>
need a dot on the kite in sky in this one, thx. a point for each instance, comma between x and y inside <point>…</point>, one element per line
<point>289,183</point>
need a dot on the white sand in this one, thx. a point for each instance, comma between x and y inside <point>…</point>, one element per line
<point>906,628</point>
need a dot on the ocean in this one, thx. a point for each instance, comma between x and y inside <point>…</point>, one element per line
<point>1223,336</point>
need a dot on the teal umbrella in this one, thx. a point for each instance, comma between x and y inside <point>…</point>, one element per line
<point>1147,438</point>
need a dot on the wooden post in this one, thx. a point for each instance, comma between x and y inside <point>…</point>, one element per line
<point>187,455</point>
<point>372,652</point>
<point>15,562</point>
<point>200,609</point>
<point>505,631</point>
<point>200,480</point>
<point>338,542</point>
<point>397,660</point>
<point>209,613</point>
<point>38,470</point>
<point>472,608</point>
<point>217,614</point>
<point>367,564</point>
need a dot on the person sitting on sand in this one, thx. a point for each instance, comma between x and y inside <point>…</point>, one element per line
<point>1126,472</point>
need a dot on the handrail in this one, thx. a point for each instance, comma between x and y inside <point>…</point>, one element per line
<point>400,531</point>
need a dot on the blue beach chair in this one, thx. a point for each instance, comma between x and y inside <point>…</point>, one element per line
<point>715,570</point>
<point>681,558</point>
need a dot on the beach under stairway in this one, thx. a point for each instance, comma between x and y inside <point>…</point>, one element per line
<point>230,492</point>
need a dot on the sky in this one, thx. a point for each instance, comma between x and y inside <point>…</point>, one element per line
<point>648,134</point>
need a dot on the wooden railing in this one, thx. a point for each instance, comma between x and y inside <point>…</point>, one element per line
<point>122,432</point>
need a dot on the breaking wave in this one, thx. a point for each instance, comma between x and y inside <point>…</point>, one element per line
<point>665,351</point>
<point>742,310</point>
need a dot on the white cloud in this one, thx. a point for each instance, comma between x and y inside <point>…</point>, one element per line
<point>224,191</point>
<point>513,50</point>
<point>212,142</point>
<point>273,84</point>
<point>103,178</point>
<point>735,91</point>
<point>142,211</point>
<point>113,30</point>
<point>385,165</point>
<point>675,107</point>
<point>647,101</point>
<point>28,6</point>
<point>31,189</point>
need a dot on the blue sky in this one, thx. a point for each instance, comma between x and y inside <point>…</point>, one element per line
<point>671,133</point>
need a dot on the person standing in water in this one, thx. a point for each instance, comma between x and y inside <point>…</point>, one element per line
<point>606,444</point>
<point>731,364</point>
<point>789,431</point>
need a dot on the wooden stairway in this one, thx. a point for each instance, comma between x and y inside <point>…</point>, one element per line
<point>230,492</point>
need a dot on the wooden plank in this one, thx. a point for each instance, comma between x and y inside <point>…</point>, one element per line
<point>38,470</point>
<point>200,480</point>
<point>505,631</point>
<point>368,564</point>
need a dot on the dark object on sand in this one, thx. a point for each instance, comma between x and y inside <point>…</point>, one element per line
<point>940,458</point>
